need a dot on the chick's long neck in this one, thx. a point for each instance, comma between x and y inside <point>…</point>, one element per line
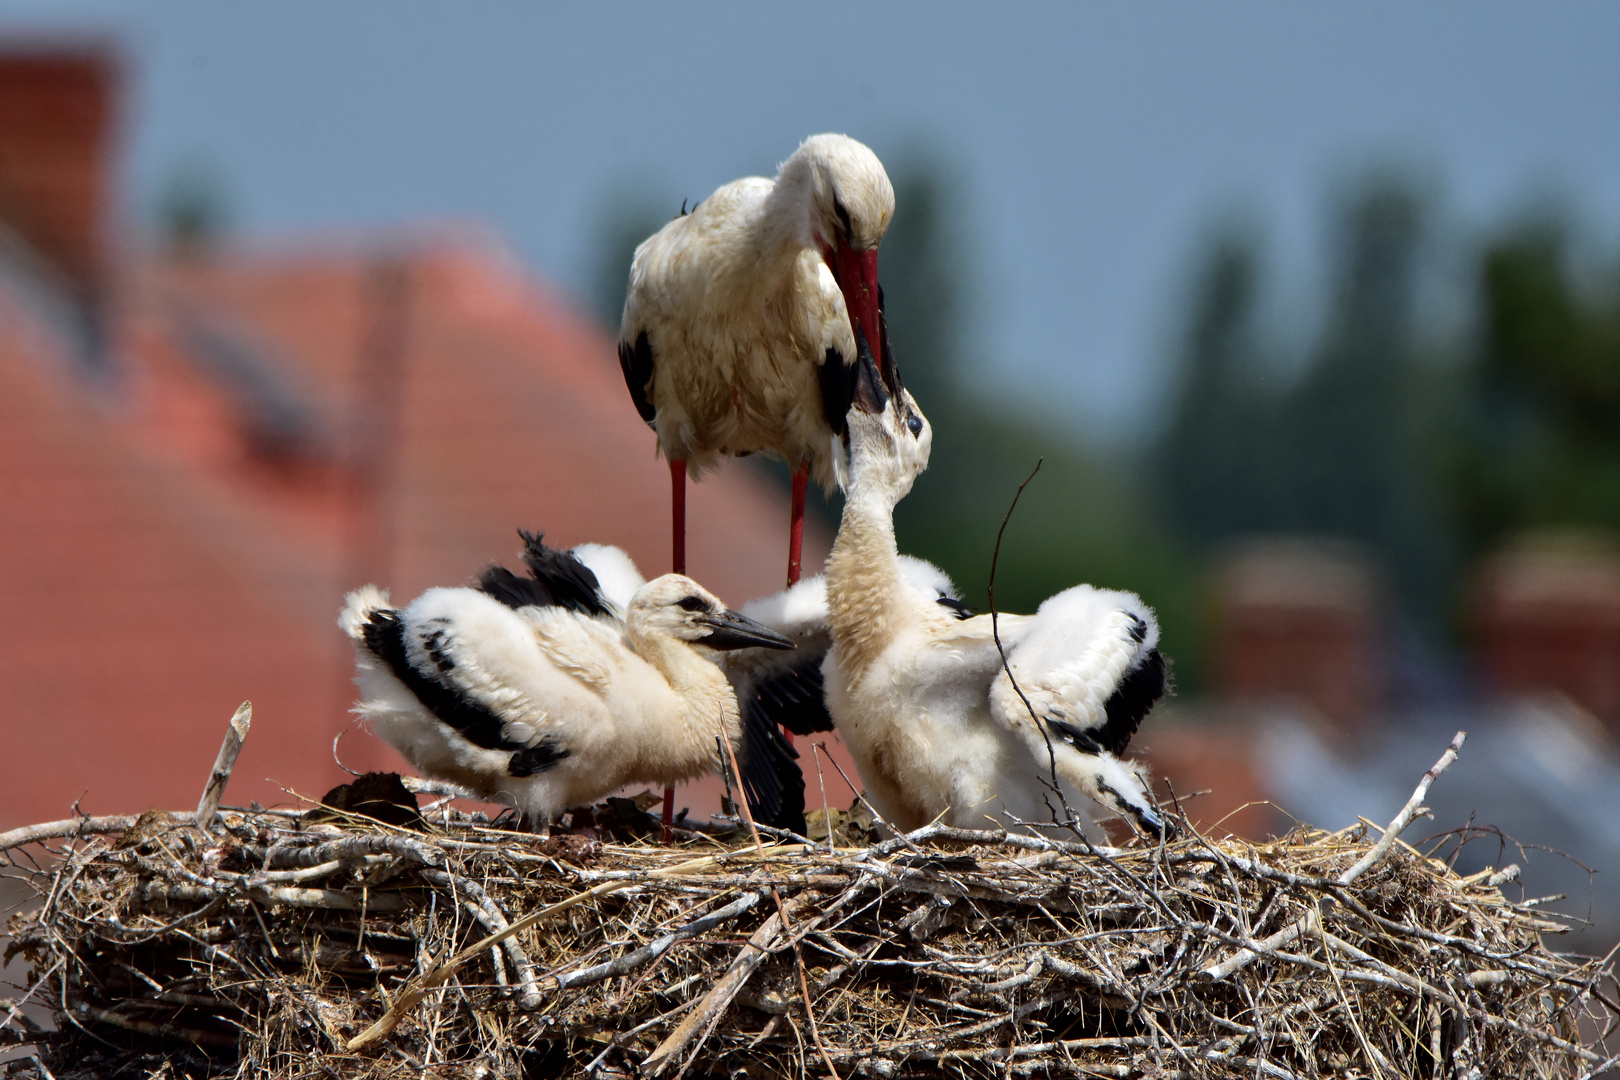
<point>863,571</point>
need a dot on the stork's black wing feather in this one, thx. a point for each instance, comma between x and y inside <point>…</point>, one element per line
<point>1131,701</point>
<point>637,363</point>
<point>793,698</point>
<point>385,637</point>
<point>569,582</point>
<point>789,697</point>
<point>773,783</point>
<point>837,390</point>
<point>513,591</point>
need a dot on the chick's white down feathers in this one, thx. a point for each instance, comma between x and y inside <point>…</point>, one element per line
<point>541,706</point>
<point>921,697</point>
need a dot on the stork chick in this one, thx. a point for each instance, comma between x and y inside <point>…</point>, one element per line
<point>919,692</point>
<point>778,689</point>
<point>742,318</point>
<point>554,705</point>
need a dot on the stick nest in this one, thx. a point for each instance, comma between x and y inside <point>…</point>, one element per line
<point>273,945</point>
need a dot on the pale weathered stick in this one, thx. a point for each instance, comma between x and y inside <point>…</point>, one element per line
<point>715,1001</point>
<point>1408,812</point>
<point>1244,957</point>
<point>632,960</point>
<point>489,913</point>
<point>208,805</point>
<point>73,827</point>
<point>408,999</point>
<point>787,922</point>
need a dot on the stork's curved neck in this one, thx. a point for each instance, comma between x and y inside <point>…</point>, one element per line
<point>707,703</point>
<point>789,219</point>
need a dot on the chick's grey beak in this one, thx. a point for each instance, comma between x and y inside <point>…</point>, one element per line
<point>1153,822</point>
<point>731,630</point>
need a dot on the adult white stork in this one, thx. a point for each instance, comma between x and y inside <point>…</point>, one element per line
<point>743,320</point>
<point>536,691</point>
<point>919,691</point>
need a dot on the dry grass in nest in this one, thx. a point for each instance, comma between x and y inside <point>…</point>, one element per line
<point>274,946</point>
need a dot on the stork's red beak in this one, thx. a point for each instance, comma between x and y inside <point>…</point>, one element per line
<point>856,272</point>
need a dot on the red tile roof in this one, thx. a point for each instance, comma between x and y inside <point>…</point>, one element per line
<point>155,569</point>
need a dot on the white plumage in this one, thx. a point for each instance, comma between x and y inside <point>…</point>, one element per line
<point>616,574</point>
<point>919,692</point>
<point>744,320</point>
<point>733,308</point>
<point>534,692</point>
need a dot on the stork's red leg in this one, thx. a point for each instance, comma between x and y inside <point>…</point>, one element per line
<point>677,505</point>
<point>801,477</point>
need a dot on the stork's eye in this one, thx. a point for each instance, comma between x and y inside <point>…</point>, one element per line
<point>843,216</point>
<point>915,426</point>
<point>693,603</point>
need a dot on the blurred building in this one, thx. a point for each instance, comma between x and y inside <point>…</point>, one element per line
<point>1298,623</point>
<point>202,449</point>
<point>1546,616</point>
<point>1296,630</point>
<point>1302,726</point>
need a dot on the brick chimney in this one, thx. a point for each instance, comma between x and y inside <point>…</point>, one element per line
<point>1296,620</point>
<point>1546,616</point>
<point>57,117</point>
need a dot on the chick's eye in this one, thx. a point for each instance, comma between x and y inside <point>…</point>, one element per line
<point>915,424</point>
<point>693,603</point>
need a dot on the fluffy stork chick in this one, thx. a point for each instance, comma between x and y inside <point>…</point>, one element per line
<point>919,694</point>
<point>550,706</point>
<point>742,320</point>
<point>785,690</point>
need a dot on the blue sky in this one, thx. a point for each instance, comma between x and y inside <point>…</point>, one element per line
<point>1094,144</point>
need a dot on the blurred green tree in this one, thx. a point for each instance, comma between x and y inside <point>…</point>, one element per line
<point>1538,442</point>
<point>193,210</point>
<point>1208,463</point>
<point>626,219</point>
<point>1081,519</point>
<point>1341,449</point>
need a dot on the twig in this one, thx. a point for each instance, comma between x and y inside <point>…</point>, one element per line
<point>235,735</point>
<point>494,920</point>
<point>1267,947</point>
<point>725,989</point>
<point>1244,957</point>
<point>76,827</point>
<point>288,856</point>
<point>657,947</point>
<point>995,634</point>
<point>1408,812</point>
<point>162,1031</point>
<point>787,922</point>
<point>331,899</point>
<point>410,997</point>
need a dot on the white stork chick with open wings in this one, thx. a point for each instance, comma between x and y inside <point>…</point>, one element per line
<point>919,693</point>
<point>742,318</point>
<point>533,691</point>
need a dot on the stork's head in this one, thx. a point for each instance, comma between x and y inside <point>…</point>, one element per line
<point>851,203</point>
<point>675,606</point>
<point>888,437</point>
